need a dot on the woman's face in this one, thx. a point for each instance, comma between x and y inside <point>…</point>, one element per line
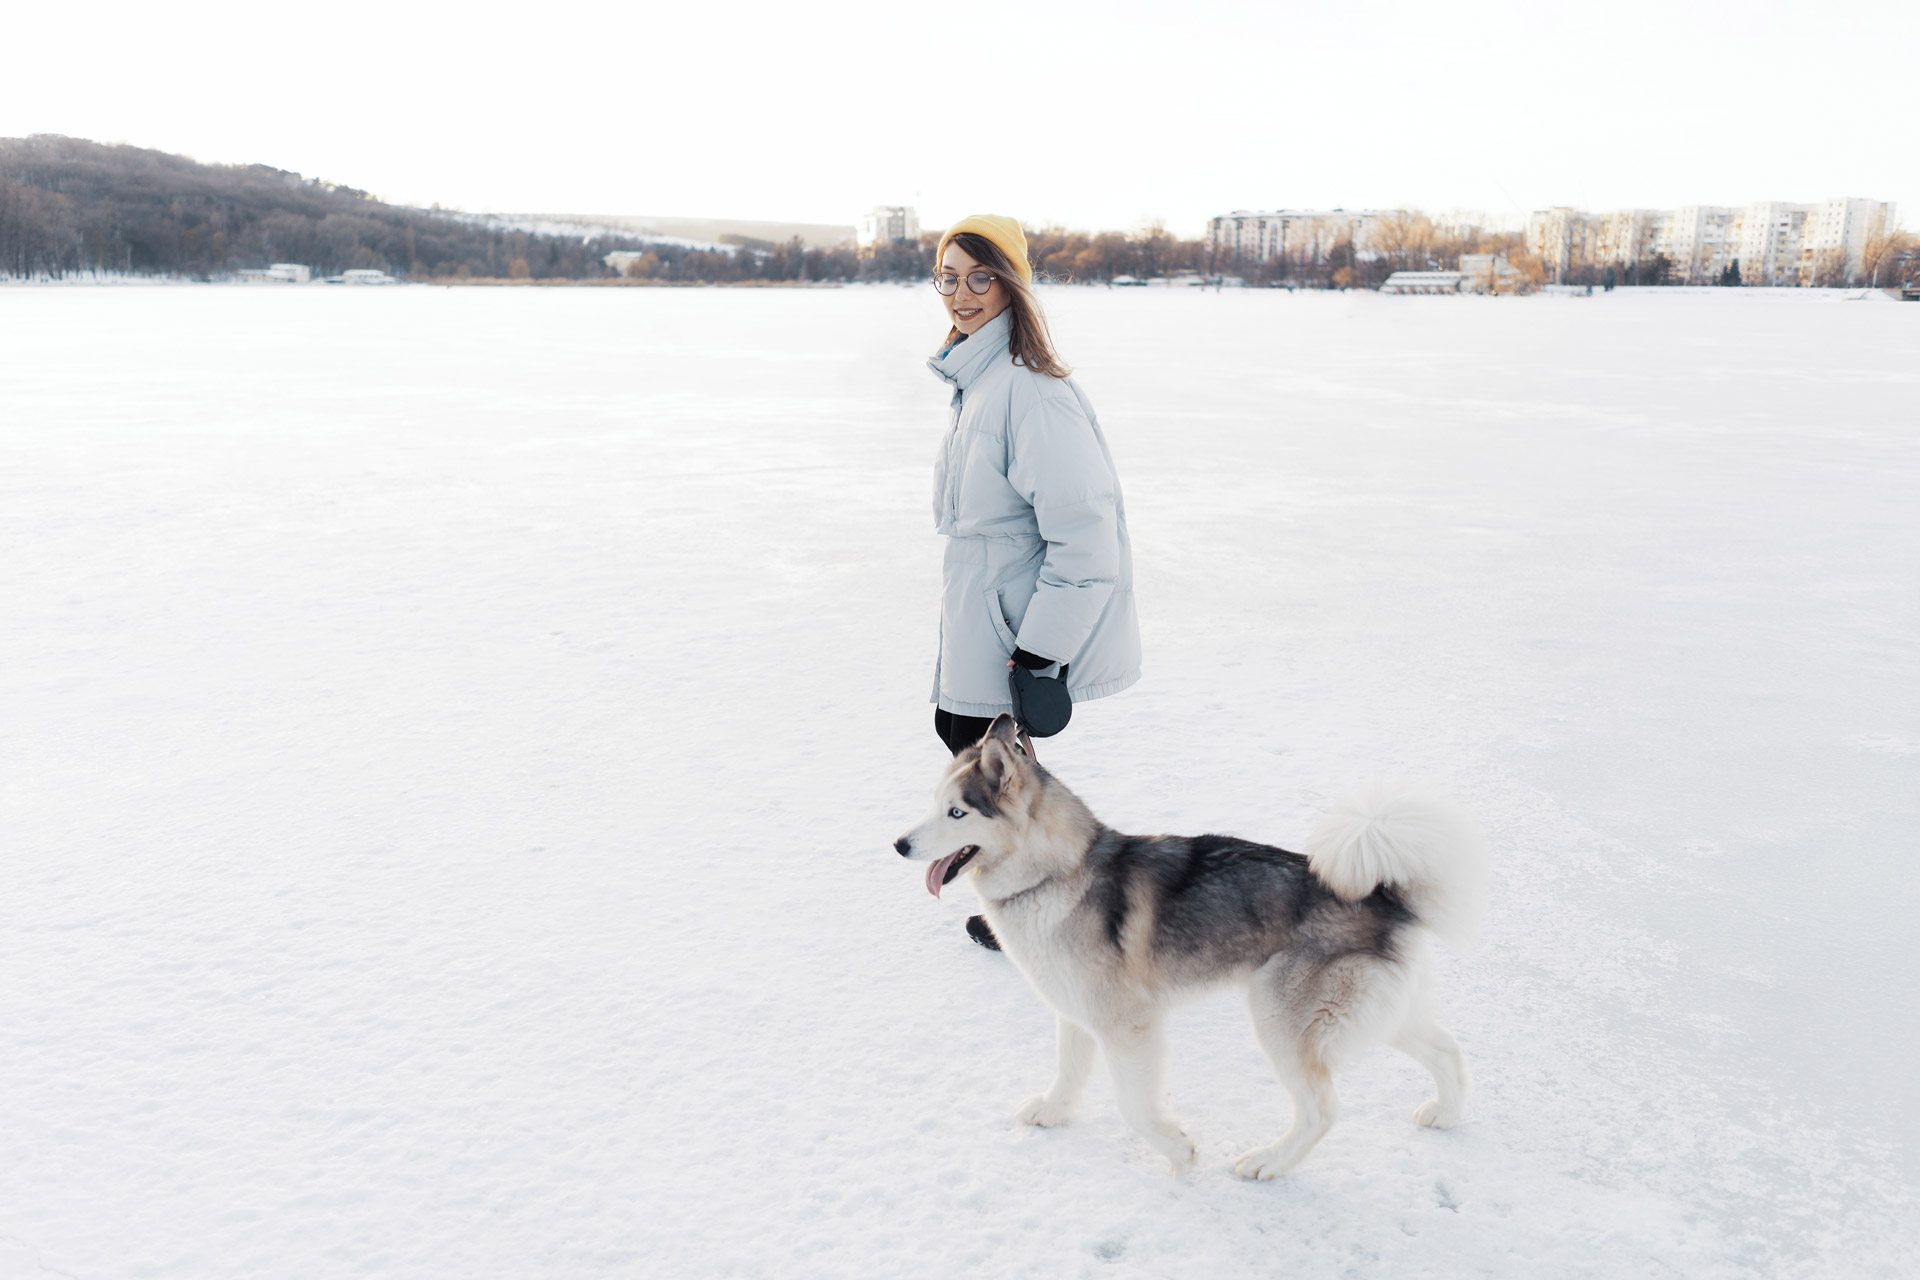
<point>969,310</point>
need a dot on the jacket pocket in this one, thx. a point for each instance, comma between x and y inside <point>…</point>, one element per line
<point>999,620</point>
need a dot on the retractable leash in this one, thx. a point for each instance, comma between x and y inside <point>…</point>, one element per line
<point>1041,704</point>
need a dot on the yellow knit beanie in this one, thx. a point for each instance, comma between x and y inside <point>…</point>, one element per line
<point>1003,233</point>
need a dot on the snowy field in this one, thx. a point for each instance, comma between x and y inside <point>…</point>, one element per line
<point>451,741</point>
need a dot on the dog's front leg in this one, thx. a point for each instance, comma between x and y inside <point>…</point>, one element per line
<point>1134,1053</point>
<point>1075,1065</point>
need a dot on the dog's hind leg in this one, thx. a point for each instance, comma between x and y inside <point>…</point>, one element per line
<point>1075,1064</point>
<point>1134,1054</point>
<point>1433,1047</point>
<point>1291,1019</point>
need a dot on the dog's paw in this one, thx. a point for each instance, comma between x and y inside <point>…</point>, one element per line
<point>1037,1110</point>
<point>1429,1115</point>
<point>1263,1164</point>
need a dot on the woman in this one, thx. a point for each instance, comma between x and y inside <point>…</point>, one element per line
<point>1039,569</point>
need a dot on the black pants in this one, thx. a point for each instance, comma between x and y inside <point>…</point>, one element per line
<point>959,732</point>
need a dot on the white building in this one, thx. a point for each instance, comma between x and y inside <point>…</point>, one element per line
<point>1297,235</point>
<point>1425,282</point>
<point>277,273</point>
<point>620,259</point>
<point>1488,273</point>
<point>1477,273</point>
<point>1774,242</point>
<point>1701,241</point>
<point>1562,237</point>
<point>1628,235</point>
<point>889,224</point>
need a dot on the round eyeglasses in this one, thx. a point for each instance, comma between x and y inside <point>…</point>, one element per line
<point>977,281</point>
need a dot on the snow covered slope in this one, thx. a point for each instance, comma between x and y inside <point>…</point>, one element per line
<point>450,740</point>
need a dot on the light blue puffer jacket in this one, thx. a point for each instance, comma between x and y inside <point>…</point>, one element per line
<point>1037,549</point>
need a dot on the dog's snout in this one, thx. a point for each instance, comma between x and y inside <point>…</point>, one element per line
<point>903,846</point>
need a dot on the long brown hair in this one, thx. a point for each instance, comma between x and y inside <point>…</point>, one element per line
<point>1028,340</point>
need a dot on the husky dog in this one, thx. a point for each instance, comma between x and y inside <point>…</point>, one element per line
<point>1110,929</point>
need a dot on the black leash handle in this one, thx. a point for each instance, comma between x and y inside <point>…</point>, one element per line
<point>1014,672</point>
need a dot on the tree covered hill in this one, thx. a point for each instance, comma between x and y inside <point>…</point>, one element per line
<point>70,205</point>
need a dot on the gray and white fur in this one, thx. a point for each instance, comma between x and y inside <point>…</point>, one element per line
<point>1111,929</point>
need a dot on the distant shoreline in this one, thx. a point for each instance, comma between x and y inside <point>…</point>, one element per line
<point>1894,293</point>
<point>77,281</point>
<point>623,282</point>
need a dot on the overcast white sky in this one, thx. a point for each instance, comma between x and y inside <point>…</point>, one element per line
<point>1090,114</point>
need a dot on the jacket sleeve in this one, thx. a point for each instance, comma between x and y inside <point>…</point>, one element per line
<point>1058,466</point>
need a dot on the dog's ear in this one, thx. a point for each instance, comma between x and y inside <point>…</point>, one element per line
<point>1002,762</point>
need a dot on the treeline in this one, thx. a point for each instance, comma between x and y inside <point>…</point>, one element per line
<point>743,260</point>
<point>1887,259</point>
<point>1406,240</point>
<point>1058,255</point>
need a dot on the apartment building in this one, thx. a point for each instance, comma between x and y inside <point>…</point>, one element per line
<point>1774,242</point>
<point>888,224</point>
<point>1701,241</point>
<point>1298,235</point>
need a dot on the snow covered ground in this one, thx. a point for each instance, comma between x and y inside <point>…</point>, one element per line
<point>451,741</point>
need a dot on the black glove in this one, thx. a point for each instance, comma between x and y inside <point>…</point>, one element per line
<point>1031,661</point>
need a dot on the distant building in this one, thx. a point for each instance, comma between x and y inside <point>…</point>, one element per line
<point>1425,282</point>
<point>889,224</point>
<point>620,259</point>
<point>1773,242</point>
<point>1489,273</point>
<point>365,275</point>
<point>1178,280</point>
<point>278,273</point>
<point>1298,235</point>
<point>1477,273</point>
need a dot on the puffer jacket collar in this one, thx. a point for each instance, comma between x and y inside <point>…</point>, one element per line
<point>964,362</point>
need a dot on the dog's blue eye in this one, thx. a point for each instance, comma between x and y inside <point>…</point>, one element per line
<point>956,812</point>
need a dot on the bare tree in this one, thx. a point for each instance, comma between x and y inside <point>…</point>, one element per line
<point>1830,269</point>
<point>1404,240</point>
<point>1885,252</point>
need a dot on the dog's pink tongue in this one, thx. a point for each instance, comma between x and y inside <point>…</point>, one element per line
<point>937,872</point>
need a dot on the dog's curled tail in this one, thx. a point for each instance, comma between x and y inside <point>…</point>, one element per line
<point>1398,833</point>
